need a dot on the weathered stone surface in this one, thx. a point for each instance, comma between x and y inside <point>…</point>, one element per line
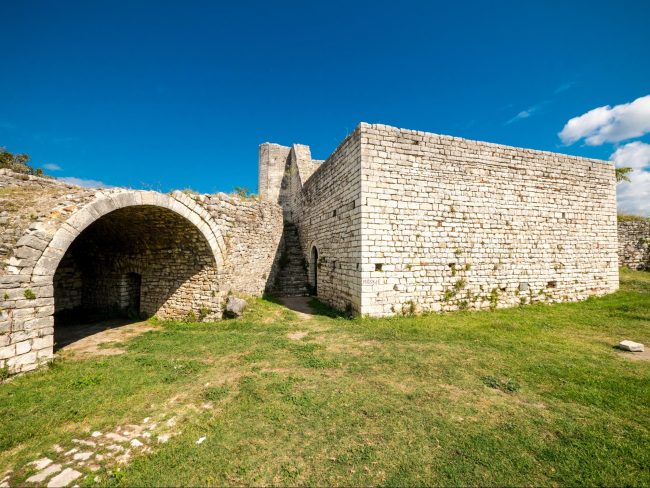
<point>42,463</point>
<point>234,307</point>
<point>403,221</point>
<point>395,221</point>
<point>190,251</point>
<point>634,243</point>
<point>631,346</point>
<point>64,478</point>
<point>43,475</point>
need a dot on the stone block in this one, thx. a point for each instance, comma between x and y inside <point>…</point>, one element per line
<point>23,347</point>
<point>19,361</point>
<point>7,352</point>
<point>631,346</point>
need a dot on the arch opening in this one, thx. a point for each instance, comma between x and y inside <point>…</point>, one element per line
<point>313,271</point>
<point>132,263</point>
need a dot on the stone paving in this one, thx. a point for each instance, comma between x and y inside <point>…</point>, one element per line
<point>99,452</point>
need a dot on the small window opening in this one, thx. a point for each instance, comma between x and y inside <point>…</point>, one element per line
<point>379,266</point>
<point>551,284</point>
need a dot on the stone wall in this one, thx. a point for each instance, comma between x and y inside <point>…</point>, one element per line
<point>327,213</point>
<point>634,243</point>
<point>272,165</point>
<point>252,229</point>
<point>450,224</point>
<point>82,245</point>
<point>173,260</point>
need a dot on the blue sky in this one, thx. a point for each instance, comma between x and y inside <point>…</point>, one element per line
<point>179,94</point>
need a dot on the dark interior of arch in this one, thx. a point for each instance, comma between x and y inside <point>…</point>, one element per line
<point>132,263</point>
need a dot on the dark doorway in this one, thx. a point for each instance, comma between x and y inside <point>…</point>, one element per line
<point>130,294</point>
<point>313,271</point>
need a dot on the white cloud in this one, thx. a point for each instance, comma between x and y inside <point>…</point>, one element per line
<point>634,196</point>
<point>524,114</point>
<point>52,167</point>
<point>84,183</point>
<point>633,155</point>
<point>565,86</point>
<point>609,124</point>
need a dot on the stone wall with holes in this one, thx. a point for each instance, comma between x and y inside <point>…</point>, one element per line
<point>450,224</point>
<point>634,244</point>
<point>39,215</point>
<point>327,214</point>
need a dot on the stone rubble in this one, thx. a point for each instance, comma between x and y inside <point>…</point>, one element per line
<point>113,448</point>
<point>631,346</point>
<point>234,307</point>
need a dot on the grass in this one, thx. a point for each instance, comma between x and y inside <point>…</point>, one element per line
<point>535,395</point>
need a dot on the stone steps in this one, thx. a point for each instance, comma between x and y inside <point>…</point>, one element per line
<point>292,279</point>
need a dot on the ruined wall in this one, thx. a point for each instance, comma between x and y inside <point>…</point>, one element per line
<point>42,218</point>
<point>272,164</point>
<point>327,215</point>
<point>252,229</point>
<point>634,243</point>
<point>449,223</point>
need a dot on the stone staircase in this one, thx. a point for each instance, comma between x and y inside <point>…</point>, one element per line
<point>292,279</point>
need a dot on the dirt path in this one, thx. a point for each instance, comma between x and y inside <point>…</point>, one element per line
<point>95,339</point>
<point>300,305</point>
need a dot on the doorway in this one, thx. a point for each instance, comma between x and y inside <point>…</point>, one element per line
<point>313,271</point>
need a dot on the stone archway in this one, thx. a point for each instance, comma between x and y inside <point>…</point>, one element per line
<point>43,248</point>
<point>132,263</point>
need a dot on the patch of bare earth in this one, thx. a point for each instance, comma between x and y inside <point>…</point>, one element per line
<point>296,336</point>
<point>300,305</point>
<point>637,356</point>
<point>102,335</point>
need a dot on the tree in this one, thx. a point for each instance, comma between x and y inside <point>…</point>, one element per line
<point>622,174</point>
<point>18,163</point>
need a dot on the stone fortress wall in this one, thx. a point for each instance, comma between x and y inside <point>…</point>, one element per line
<point>395,221</point>
<point>449,224</point>
<point>64,247</point>
<point>327,213</point>
<point>634,243</point>
<point>321,199</point>
<point>407,221</point>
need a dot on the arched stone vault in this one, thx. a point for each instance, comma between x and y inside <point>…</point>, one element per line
<point>178,203</point>
<point>242,236</point>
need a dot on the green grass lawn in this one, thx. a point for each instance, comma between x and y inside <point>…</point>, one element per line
<point>535,395</point>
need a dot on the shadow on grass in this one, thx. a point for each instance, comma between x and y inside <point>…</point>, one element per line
<point>309,305</point>
<point>325,310</point>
